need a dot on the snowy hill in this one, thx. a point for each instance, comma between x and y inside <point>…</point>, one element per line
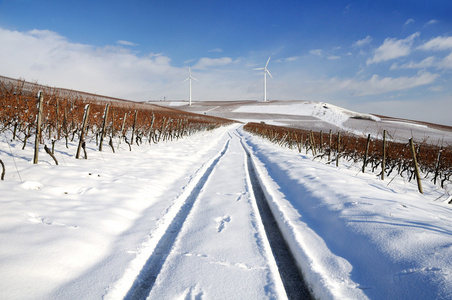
<point>326,112</point>
<point>318,116</point>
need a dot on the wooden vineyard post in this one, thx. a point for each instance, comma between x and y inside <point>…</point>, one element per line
<point>112,132</point>
<point>366,153</point>
<point>299,142</point>
<point>104,125</point>
<point>383,163</point>
<point>321,141</point>
<point>57,120</point>
<point>416,168</point>
<point>38,127</point>
<point>150,128</point>
<point>329,152</point>
<point>312,142</point>
<point>161,129</point>
<point>122,127</point>
<point>133,127</point>
<point>338,148</point>
<point>82,133</point>
<point>65,125</point>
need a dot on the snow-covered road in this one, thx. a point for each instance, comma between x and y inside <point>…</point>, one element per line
<point>224,209</point>
<point>182,220</point>
<point>236,258</point>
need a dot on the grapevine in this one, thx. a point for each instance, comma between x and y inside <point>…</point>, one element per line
<point>435,162</point>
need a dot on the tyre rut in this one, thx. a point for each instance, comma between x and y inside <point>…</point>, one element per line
<point>291,275</point>
<point>146,279</point>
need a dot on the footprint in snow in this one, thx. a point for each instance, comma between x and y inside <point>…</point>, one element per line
<point>34,218</point>
<point>222,222</point>
<point>238,196</point>
<point>193,293</point>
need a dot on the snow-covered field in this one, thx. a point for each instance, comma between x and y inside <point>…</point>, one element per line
<point>179,220</point>
<point>318,116</point>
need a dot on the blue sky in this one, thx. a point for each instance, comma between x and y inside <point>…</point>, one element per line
<point>385,57</point>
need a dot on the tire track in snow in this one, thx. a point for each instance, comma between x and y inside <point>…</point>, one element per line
<point>291,276</point>
<point>146,279</point>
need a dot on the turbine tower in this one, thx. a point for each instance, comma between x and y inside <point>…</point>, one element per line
<point>189,80</point>
<point>265,77</point>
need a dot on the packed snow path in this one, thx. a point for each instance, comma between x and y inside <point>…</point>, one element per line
<point>222,206</point>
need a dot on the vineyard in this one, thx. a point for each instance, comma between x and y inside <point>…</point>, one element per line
<point>124,215</point>
<point>49,115</point>
<point>376,155</point>
<point>30,110</point>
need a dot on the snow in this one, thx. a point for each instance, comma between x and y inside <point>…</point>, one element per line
<point>326,112</point>
<point>178,103</point>
<point>319,116</point>
<point>412,124</point>
<point>73,228</point>
<point>358,236</point>
<point>200,259</point>
<point>88,229</point>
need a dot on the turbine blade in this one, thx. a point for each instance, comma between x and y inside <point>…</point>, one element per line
<point>257,69</point>
<point>194,78</point>
<point>268,62</point>
<point>269,73</point>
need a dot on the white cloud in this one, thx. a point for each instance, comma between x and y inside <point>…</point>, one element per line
<point>438,43</point>
<point>363,42</point>
<point>409,21</point>
<point>44,34</point>
<point>431,22</point>
<point>393,48</point>
<point>322,53</point>
<point>126,43</point>
<point>292,58</point>
<point>317,52</point>
<point>216,50</point>
<point>51,59</point>
<point>437,88</point>
<point>206,62</point>
<point>377,85</point>
<point>428,62</point>
<point>446,63</point>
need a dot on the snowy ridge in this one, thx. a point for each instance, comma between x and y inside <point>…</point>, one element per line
<point>337,115</point>
<point>326,112</point>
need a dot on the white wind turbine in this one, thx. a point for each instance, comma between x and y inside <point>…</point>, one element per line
<point>265,77</point>
<point>189,80</point>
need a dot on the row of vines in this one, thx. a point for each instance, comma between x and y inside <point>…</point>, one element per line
<point>376,155</point>
<point>73,116</point>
